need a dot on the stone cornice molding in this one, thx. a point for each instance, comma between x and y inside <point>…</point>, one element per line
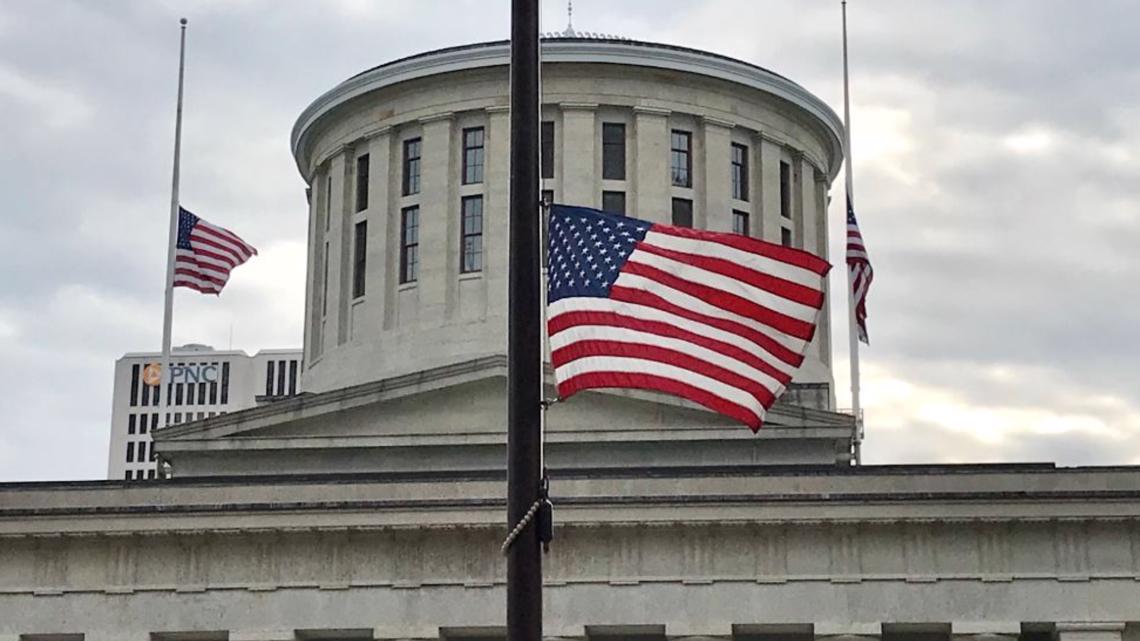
<point>578,106</point>
<point>644,110</point>
<point>717,122</point>
<point>582,51</point>
<point>445,116</point>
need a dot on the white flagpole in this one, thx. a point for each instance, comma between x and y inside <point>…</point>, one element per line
<point>853,331</point>
<point>168,312</point>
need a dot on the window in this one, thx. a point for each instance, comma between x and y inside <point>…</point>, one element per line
<point>613,151</point>
<point>740,222</point>
<point>178,393</point>
<point>292,378</point>
<point>547,149</point>
<point>269,377</point>
<point>131,452</point>
<point>785,190</point>
<point>127,475</point>
<point>153,422</point>
<point>739,172</point>
<point>142,451</point>
<point>131,424</point>
<point>544,241</point>
<point>214,389</point>
<point>142,423</point>
<point>145,392</point>
<point>150,473</point>
<point>134,385</point>
<point>178,417</point>
<point>328,201</point>
<point>682,212</point>
<point>412,166</point>
<point>681,158</point>
<point>280,378</point>
<point>471,241</point>
<point>202,392</point>
<point>359,256</point>
<point>785,237</point>
<point>472,155</point>
<point>409,244</point>
<point>325,283</point>
<point>614,202</point>
<point>362,183</point>
<point>225,383</point>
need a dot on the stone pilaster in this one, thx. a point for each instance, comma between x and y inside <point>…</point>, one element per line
<point>496,209</point>
<point>651,166</point>
<point>769,213</point>
<point>370,313</point>
<point>717,186</point>
<point>439,247</point>
<point>579,145</point>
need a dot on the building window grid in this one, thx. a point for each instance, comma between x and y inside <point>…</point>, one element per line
<point>359,258</point>
<point>739,171</point>
<point>740,220</point>
<point>409,244</point>
<point>681,158</point>
<point>546,149</point>
<point>411,180</point>
<point>785,190</point>
<point>613,151</point>
<point>362,169</point>
<point>613,202</point>
<point>471,239</point>
<point>473,140</point>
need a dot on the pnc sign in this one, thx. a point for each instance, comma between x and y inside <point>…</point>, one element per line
<point>193,373</point>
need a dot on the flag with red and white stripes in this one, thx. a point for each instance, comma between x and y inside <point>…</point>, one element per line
<point>720,319</point>
<point>205,254</point>
<point>859,268</point>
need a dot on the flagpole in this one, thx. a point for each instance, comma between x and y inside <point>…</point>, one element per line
<point>524,336</point>
<point>168,310</point>
<point>853,332</point>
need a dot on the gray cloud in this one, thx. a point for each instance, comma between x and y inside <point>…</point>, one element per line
<point>991,257</point>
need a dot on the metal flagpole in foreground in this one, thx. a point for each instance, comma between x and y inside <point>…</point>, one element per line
<point>524,354</point>
<point>168,310</point>
<point>853,333</point>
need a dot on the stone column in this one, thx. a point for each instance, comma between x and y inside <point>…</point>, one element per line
<point>717,187</point>
<point>579,142</point>
<point>439,247</point>
<point>805,194</point>
<point>496,211</point>
<point>1090,631</point>
<point>769,204</point>
<point>650,188</point>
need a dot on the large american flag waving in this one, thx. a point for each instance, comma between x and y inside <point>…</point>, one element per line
<point>204,254</point>
<point>720,319</point>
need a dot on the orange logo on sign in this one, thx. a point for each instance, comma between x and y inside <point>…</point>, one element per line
<point>152,374</point>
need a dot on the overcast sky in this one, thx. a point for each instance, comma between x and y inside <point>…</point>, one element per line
<point>997,167</point>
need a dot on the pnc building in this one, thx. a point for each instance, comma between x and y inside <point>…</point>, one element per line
<point>371,506</point>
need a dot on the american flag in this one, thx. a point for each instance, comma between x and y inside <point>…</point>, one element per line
<point>859,267</point>
<point>205,254</point>
<point>720,319</point>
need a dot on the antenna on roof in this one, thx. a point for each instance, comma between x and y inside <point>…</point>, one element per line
<point>569,33</point>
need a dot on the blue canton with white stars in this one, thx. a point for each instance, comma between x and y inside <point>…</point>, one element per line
<point>186,222</point>
<point>588,248</point>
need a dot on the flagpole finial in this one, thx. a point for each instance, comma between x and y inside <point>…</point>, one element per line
<point>183,22</point>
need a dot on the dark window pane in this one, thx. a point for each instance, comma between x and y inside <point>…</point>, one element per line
<point>682,212</point>
<point>292,378</point>
<point>739,172</point>
<point>409,244</point>
<point>547,149</point>
<point>786,237</point>
<point>325,282</point>
<point>130,424</point>
<point>740,222</point>
<point>785,189</point>
<point>130,452</point>
<point>202,393</point>
<point>681,158</point>
<point>145,392</point>
<point>280,378</point>
<point>471,240</point>
<point>134,385</point>
<point>472,155</point>
<point>359,256</point>
<point>613,151</point>
<point>225,383</point>
<point>614,202</point>
<point>328,202</point>
<point>411,167</point>
<point>269,378</point>
<point>150,473</point>
<point>362,183</point>
<point>142,451</point>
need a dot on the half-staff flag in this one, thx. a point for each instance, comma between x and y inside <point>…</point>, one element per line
<point>205,254</point>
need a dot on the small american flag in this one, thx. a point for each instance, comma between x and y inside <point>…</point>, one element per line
<point>859,266</point>
<point>720,319</point>
<point>205,254</point>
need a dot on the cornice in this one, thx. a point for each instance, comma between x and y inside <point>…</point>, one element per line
<point>582,51</point>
